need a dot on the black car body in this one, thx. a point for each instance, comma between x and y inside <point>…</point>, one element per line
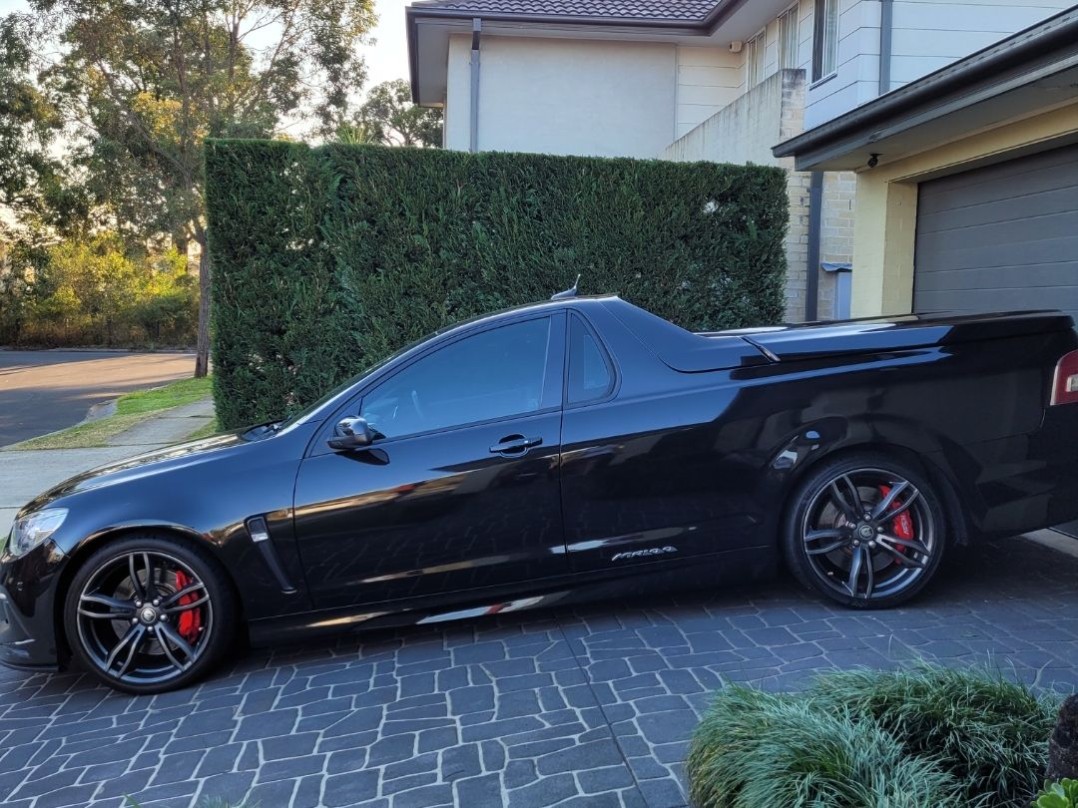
<point>619,446</point>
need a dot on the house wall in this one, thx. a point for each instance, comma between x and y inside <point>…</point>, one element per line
<point>559,96</point>
<point>926,35</point>
<point>708,78</point>
<point>885,227</point>
<point>743,132</point>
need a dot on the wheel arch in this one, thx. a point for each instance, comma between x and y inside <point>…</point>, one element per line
<point>96,541</point>
<point>956,517</point>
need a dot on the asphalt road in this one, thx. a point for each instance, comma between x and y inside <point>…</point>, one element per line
<point>42,391</point>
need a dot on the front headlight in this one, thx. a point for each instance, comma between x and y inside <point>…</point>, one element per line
<point>34,528</point>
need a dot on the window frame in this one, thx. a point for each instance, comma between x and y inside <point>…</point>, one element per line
<point>604,352</point>
<point>790,17</point>
<point>756,49</point>
<point>819,37</point>
<point>552,395</point>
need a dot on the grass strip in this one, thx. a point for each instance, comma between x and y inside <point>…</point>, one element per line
<point>131,410</point>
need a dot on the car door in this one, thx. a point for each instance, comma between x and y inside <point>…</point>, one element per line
<point>462,492</point>
<point>651,469</point>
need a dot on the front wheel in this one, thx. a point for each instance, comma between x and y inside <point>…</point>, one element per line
<point>149,614</point>
<point>866,531</point>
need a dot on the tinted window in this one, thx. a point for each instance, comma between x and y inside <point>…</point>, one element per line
<point>590,376</point>
<point>492,374</point>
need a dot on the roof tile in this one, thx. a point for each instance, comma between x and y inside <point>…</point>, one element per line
<point>689,11</point>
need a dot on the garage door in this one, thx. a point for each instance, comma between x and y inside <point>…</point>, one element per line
<point>1000,238</point>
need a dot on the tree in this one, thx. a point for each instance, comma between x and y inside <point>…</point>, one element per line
<point>35,187</point>
<point>147,81</point>
<point>389,117</point>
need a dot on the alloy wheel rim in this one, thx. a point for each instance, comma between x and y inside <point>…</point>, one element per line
<point>868,534</point>
<point>144,618</point>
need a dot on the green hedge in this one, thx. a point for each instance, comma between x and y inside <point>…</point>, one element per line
<point>326,259</point>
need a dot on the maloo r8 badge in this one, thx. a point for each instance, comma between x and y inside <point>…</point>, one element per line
<point>651,551</point>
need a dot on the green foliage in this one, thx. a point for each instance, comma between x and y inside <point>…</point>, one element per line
<point>33,178</point>
<point>858,738</point>
<point>1061,794</point>
<point>149,80</point>
<point>990,733</point>
<point>91,292</point>
<point>329,259</point>
<point>755,749</point>
<point>105,107</point>
<point>389,117</point>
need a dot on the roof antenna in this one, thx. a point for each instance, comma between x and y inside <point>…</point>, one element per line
<point>568,293</point>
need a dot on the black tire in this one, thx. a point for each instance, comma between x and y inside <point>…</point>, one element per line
<point>896,550</point>
<point>129,623</point>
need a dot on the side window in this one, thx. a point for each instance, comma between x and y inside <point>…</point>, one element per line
<point>590,374</point>
<point>825,39</point>
<point>493,374</point>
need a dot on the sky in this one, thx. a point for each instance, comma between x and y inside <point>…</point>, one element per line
<point>386,59</point>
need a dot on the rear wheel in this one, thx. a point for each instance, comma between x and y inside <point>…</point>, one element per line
<point>149,614</point>
<point>866,531</point>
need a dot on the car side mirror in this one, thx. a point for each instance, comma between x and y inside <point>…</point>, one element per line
<point>352,433</point>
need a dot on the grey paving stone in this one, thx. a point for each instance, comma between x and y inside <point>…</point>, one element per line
<point>71,795</point>
<point>469,712</point>
<point>460,762</point>
<point>664,793</point>
<point>229,788</point>
<point>409,782</point>
<point>425,797</point>
<point>434,739</point>
<point>544,792</point>
<point>352,788</point>
<point>485,790</point>
<point>291,768</point>
<point>276,793</point>
<point>605,779</point>
<point>267,725</point>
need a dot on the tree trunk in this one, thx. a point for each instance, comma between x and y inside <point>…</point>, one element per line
<point>1063,745</point>
<point>202,348</point>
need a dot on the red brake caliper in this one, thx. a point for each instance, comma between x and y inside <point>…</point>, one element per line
<point>902,524</point>
<point>191,620</point>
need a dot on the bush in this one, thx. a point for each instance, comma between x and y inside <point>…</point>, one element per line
<point>754,749</point>
<point>991,734</point>
<point>862,738</point>
<point>1063,794</point>
<point>93,292</point>
<point>325,260</point>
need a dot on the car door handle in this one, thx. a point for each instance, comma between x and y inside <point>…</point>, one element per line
<point>515,445</point>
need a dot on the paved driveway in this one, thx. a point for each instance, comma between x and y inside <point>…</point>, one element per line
<point>588,707</point>
<point>42,391</point>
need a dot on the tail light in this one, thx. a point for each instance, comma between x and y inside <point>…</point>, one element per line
<point>1065,385</point>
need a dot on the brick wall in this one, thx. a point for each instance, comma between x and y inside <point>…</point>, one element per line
<point>836,233</point>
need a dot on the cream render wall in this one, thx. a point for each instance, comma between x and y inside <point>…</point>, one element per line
<point>558,96</point>
<point>708,78</point>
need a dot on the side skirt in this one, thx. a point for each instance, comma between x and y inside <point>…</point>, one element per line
<point>721,570</point>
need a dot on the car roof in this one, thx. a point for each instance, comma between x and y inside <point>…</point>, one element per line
<point>582,302</point>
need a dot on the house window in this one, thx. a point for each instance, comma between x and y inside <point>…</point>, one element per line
<point>755,53</point>
<point>788,39</point>
<point>825,39</point>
